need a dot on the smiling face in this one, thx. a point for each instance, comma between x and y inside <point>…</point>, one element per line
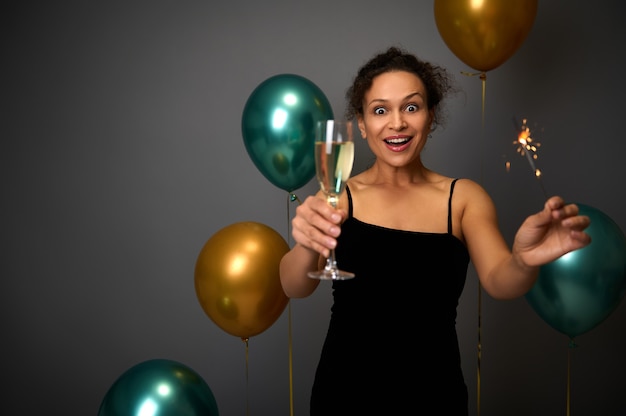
<point>396,120</point>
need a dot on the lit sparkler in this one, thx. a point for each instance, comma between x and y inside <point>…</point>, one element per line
<point>527,146</point>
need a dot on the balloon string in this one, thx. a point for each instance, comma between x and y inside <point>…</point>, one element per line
<point>479,352</point>
<point>292,197</point>
<point>483,78</point>
<point>571,346</point>
<point>569,373</point>
<point>245,340</point>
<point>290,364</point>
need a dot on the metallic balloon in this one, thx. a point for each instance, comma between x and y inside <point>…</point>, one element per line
<point>278,128</point>
<point>579,290</point>
<point>237,278</point>
<point>159,388</point>
<point>484,34</point>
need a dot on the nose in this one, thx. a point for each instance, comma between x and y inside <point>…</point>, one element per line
<point>397,121</point>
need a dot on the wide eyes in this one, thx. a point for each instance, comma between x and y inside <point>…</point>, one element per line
<point>409,108</point>
<point>379,111</point>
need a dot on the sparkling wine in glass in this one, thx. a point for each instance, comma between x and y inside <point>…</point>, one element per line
<point>334,156</point>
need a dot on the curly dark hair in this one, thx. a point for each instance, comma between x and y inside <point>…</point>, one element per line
<point>436,79</point>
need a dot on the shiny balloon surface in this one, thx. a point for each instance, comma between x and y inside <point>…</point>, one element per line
<point>237,278</point>
<point>579,290</point>
<point>278,128</point>
<point>159,387</point>
<point>484,34</point>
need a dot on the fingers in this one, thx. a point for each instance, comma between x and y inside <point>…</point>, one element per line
<point>559,210</point>
<point>311,243</point>
<point>580,239</point>
<point>556,207</point>
<point>316,225</point>
<point>552,210</point>
<point>576,223</point>
<point>569,215</point>
<point>570,218</point>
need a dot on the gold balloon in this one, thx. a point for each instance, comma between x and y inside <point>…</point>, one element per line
<point>237,278</point>
<point>484,33</point>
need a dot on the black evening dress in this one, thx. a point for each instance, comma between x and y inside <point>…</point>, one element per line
<point>392,346</point>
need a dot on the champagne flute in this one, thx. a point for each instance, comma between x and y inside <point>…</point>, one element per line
<point>334,156</point>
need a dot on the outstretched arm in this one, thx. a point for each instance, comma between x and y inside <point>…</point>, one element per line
<point>542,238</point>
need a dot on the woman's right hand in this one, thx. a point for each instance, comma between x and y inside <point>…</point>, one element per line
<point>316,224</point>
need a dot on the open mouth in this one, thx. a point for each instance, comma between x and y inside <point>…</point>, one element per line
<point>398,141</point>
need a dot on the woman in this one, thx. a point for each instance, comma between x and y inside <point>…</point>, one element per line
<point>408,233</point>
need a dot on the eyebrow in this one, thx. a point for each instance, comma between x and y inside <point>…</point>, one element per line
<point>408,97</point>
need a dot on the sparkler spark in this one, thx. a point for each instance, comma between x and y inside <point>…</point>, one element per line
<point>526,145</point>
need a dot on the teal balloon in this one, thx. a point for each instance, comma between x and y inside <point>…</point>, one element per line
<point>579,290</point>
<point>159,387</point>
<point>278,128</point>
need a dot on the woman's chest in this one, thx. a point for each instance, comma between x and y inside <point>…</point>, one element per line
<point>408,211</point>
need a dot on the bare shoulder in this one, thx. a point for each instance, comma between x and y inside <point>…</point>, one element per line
<point>473,209</point>
<point>470,192</point>
<point>468,185</point>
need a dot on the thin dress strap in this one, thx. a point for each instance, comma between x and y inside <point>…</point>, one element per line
<point>349,202</point>
<point>450,206</point>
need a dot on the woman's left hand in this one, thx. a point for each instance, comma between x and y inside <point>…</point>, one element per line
<point>551,233</point>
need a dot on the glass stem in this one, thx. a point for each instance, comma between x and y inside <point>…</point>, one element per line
<point>331,263</point>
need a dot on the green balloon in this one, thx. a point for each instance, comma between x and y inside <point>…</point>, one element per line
<point>579,290</point>
<point>159,388</point>
<point>278,128</point>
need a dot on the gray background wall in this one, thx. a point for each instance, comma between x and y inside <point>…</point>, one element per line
<point>122,155</point>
